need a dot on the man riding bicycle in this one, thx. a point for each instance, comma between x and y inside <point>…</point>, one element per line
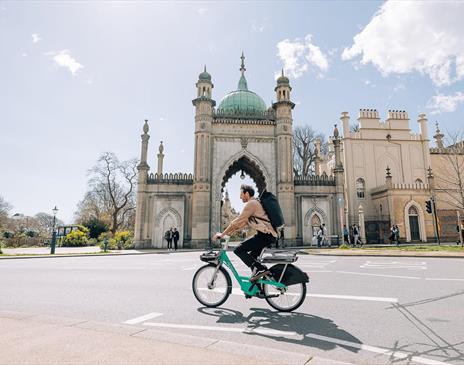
<point>254,216</point>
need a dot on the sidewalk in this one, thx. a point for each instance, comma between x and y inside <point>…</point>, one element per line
<point>39,339</point>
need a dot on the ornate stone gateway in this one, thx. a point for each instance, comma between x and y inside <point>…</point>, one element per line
<point>241,134</point>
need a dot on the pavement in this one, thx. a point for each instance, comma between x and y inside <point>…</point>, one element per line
<point>42,339</point>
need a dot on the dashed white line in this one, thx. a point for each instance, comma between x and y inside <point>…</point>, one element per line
<point>143,318</point>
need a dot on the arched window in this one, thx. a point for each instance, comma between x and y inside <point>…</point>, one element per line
<point>412,210</point>
<point>315,223</point>
<point>419,182</point>
<point>360,188</point>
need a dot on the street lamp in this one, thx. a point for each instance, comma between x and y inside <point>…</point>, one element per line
<point>52,246</point>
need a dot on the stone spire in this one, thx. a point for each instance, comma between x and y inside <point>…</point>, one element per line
<point>143,165</point>
<point>160,159</point>
<point>438,137</point>
<point>336,143</point>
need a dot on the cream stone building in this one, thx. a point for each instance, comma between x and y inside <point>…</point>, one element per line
<point>240,134</point>
<point>379,175</point>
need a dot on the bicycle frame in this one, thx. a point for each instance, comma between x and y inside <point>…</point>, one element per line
<point>247,287</point>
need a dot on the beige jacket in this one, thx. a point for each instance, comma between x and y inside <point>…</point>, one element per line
<point>252,208</point>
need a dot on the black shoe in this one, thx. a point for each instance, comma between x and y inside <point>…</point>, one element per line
<point>259,274</point>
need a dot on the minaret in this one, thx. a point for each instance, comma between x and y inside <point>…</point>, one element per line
<point>201,198</point>
<point>438,137</point>
<point>141,188</point>
<point>339,174</point>
<point>284,148</point>
<point>160,159</point>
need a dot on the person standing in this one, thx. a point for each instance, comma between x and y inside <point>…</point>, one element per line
<point>319,236</point>
<point>324,236</point>
<point>175,237</point>
<point>168,237</point>
<point>396,234</point>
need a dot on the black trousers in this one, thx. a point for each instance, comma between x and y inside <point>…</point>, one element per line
<point>175,244</point>
<point>169,243</point>
<point>250,249</point>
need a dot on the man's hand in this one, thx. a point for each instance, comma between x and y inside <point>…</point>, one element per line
<point>217,236</point>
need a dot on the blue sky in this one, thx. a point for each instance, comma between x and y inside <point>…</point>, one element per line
<point>78,78</point>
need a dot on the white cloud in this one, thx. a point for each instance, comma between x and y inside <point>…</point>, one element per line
<point>35,38</point>
<point>64,59</point>
<point>441,103</point>
<point>407,36</point>
<point>301,55</point>
<point>202,11</point>
<point>24,54</point>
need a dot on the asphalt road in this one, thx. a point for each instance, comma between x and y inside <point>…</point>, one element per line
<point>359,309</point>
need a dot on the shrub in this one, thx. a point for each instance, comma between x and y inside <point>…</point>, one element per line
<point>75,238</point>
<point>124,240</point>
<point>96,227</point>
<point>344,246</point>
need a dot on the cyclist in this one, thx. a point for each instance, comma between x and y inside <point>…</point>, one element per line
<point>255,217</point>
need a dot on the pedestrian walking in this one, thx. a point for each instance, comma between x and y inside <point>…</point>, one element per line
<point>168,238</point>
<point>324,236</point>
<point>396,234</point>
<point>175,237</point>
<point>356,238</point>
<point>319,236</point>
<point>346,235</point>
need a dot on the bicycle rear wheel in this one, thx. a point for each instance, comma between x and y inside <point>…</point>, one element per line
<point>287,301</point>
<point>211,290</point>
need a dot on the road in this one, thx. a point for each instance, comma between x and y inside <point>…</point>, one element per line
<point>376,310</point>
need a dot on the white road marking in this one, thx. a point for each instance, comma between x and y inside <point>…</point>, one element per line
<point>354,297</point>
<point>238,291</point>
<point>394,265</point>
<point>378,350</point>
<point>222,329</point>
<point>143,318</point>
<point>316,264</point>
<point>386,276</point>
<point>444,279</point>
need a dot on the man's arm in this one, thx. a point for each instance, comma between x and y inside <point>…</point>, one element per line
<point>242,220</point>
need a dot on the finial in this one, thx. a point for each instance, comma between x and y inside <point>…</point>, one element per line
<point>436,125</point>
<point>430,174</point>
<point>336,133</point>
<point>145,127</point>
<point>242,66</point>
<point>161,147</point>
<point>283,71</point>
<point>388,171</point>
<point>205,69</point>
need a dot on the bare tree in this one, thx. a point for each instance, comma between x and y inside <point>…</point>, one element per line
<point>354,128</point>
<point>111,194</point>
<point>450,181</point>
<point>304,139</point>
<point>43,223</point>
<point>5,208</point>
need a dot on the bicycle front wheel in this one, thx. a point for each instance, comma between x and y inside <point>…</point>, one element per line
<point>287,301</point>
<point>211,285</point>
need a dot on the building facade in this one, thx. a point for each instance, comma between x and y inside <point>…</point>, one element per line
<point>375,176</point>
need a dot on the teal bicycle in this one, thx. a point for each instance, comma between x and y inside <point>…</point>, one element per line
<point>284,289</point>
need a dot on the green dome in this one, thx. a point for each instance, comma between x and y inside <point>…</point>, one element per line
<point>242,101</point>
<point>204,76</point>
<point>283,79</point>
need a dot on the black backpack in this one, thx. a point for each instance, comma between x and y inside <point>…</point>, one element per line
<point>272,208</point>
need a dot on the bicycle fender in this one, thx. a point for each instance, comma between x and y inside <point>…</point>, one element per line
<point>292,274</point>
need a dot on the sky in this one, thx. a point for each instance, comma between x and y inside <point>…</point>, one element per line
<point>78,78</point>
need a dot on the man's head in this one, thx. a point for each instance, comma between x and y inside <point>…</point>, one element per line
<point>246,192</point>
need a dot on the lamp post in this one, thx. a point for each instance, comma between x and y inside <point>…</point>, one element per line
<point>52,246</point>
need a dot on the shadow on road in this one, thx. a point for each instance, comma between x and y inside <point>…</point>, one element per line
<point>303,324</point>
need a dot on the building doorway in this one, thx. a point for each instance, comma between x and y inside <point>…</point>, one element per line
<point>414,223</point>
